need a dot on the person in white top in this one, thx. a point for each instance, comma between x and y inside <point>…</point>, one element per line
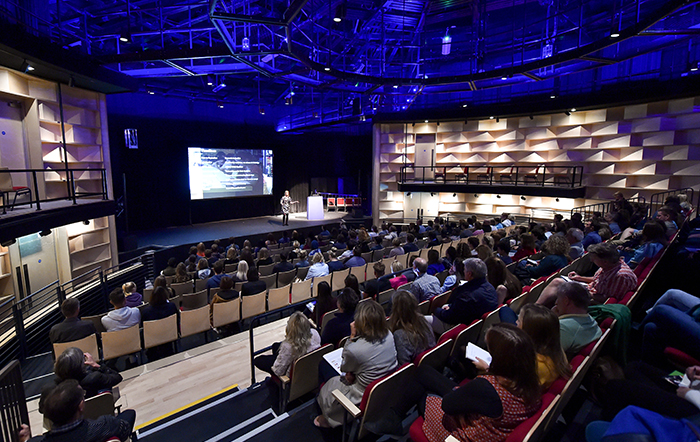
<point>122,316</point>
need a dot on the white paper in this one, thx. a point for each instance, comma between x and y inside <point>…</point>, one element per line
<point>335,358</point>
<point>474,351</point>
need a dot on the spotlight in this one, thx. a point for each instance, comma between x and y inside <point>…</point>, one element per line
<point>219,104</point>
<point>327,69</point>
<point>125,37</point>
<point>557,200</point>
<point>408,193</point>
<point>46,232</point>
<point>504,78</point>
<point>245,43</point>
<point>315,114</point>
<point>464,105</point>
<point>26,67</point>
<point>454,195</point>
<point>151,93</point>
<point>86,222</point>
<point>210,80</point>
<point>693,66</point>
<point>446,44</point>
<point>426,121</point>
<point>339,13</point>
<point>396,86</point>
<point>498,196</point>
<point>523,198</point>
<point>221,85</point>
<point>261,110</point>
<point>491,117</point>
<point>615,34</point>
<point>567,113</point>
<point>552,96</point>
<point>573,109</point>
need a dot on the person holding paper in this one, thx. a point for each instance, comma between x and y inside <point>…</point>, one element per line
<point>492,405</point>
<point>368,355</point>
<point>299,339</point>
<point>412,333</point>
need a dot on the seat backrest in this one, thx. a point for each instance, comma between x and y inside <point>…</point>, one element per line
<point>147,295</point>
<point>532,429</point>
<point>101,404</point>
<point>442,276</point>
<point>317,280</point>
<point>359,273</point>
<point>97,321</point>
<point>331,202</point>
<point>304,374</point>
<point>302,272</point>
<point>181,288</point>
<point>380,396</point>
<point>377,255</point>
<point>571,386</point>
<point>385,296</point>
<point>451,333</point>
<point>88,345</point>
<point>5,181</point>
<point>367,256</point>
<point>340,202</point>
<point>338,280</point>
<point>194,321</point>
<point>160,331</point>
<point>424,307</point>
<point>517,303</point>
<point>469,334</point>
<point>270,280</point>
<point>120,342</point>
<point>301,291</point>
<point>435,357</point>
<point>226,312</point>
<point>265,270</point>
<point>253,305</point>
<point>387,264</point>
<point>228,268</point>
<point>200,284</point>
<point>278,298</point>
<point>194,301</point>
<point>327,317</point>
<point>285,278</point>
<point>439,300</point>
<point>491,319</point>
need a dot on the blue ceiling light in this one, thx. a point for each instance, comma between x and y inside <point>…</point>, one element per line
<point>446,45</point>
<point>246,44</point>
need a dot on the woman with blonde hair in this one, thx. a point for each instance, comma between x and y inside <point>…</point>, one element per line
<point>483,252</point>
<point>133,298</point>
<point>241,274</point>
<point>299,339</point>
<point>318,267</point>
<point>542,325</point>
<point>412,333</point>
<point>368,355</point>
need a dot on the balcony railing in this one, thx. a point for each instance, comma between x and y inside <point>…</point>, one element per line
<point>518,176</point>
<point>15,194</point>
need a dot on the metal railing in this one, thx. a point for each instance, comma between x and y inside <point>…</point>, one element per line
<point>656,201</point>
<point>25,323</point>
<point>589,210</point>
<point>519,176</point>
<point>66,176</point>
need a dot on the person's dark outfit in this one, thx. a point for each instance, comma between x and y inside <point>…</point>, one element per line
<point>265,362</point>
<point>253,288</point>
<point>99,379</point>
<point>168,271</point>
<point>284,266</point>
<point>410,247</point>
<point>322,307</point>
<point>215,281</point>
<point>336,265</point>
<point>264,262</point>
<point>337,328</point>
<point>71,329</point>
<point>99,430</point>
<point>644,386</point>
<point>506,259</point>
<point>376,286</point>
<point>548,265</point>
<point>468,302</point>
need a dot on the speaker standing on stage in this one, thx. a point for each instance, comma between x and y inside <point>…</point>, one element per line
<point>286,203</point>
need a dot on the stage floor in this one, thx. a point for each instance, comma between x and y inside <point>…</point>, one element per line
<point>173,236</point>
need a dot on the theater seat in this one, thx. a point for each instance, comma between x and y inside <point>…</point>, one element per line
<point>680,358</point>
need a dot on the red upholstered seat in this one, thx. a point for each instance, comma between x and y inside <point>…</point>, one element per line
<point>680,358</point>
<point>607,322</point>
<point>452,333</point>
<point>415,432</point>
<point>585,351</point>
<point>641,266</point>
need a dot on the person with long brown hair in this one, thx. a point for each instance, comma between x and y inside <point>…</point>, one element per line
<point>507,285</point>
<point>412,333</point>
<point>299,339</point>
<point>493,404</point>
<point>542,325</point>
<point>368,355</point>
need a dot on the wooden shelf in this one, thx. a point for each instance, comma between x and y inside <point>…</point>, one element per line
<point>58,123</point>
<point>96,229</point>
<point>6,275</point>
<point>92,264</point>
<point>72,252</point>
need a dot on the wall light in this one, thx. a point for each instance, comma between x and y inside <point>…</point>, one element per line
<point>476,195</point>
<point>567,113</point>
<point>523,198</point>
<point>557,200</point>
<point>498,196</point>
<point>454,195</point>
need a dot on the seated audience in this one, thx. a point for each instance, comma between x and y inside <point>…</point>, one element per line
<point>303,261</point>
<point>122,316</point>
<point>503,251</point>
<point>673,321</point>
<point>181,274</point>
<point>357,260</point>
<point>72,328</point>
<point>373,287</point>
<point>467,302</point>
<point>93,377</point>
<point>612,219</point>
<point>160,281</point>
<point>556,251</point>
<point>231,256</point>
<point>507,284</point>
<point>542,325</point>
<point>491,406</point>
<point>527,247</point>
<point>170,269</point>
<point>215,280</point>
<point>133,298</point>
<point>368,355</point>
<point>575,236</point>
<point>591,229</point>
<point>412,333</point>
<point>283,265</point>
<point>318,267</point>
<point>159,307</point>
<point>333,263</point>
<point>576,326</point>
<point>339,327</point>
<point>456,275</point>
<point>435,266</point>
<point>241,274</point>
<point>397,250</point>
<point>254,285</point>
<point>264,258</point>
<point>299,339</point>
<point>410,245</point>
<point>653,241</point>
<point>352,282</point>
<point>203,270</point>
<point>668,216</point>
<point>425,286</point>
<point>63,405</point>
<point>325,302</point>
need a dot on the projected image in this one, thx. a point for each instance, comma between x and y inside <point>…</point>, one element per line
<point>226,173</point>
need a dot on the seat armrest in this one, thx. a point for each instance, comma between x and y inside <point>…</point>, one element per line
<point>346,403</point>
<point>284,379</point>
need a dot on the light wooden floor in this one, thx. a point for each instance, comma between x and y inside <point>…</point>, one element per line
<point>161,387</point>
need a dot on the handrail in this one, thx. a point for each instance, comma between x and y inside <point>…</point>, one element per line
<point>604,207</point>
<point>540,175</point>
<point>72,192</point>
<point>656,201</point>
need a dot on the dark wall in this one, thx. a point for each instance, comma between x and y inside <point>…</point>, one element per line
<point>157,189</point>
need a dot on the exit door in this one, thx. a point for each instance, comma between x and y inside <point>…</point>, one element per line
<point>34,264</point>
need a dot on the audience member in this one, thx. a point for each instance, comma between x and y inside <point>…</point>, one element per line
<point>412,333</point>
<point>203,270</point>
<point>556,251</point>
<point>492,405</point>
<point>231,256</point>
<point>668,216</point>
<point>254,285</point>
<point>133,298</point>
<point>576,326</point>
<point>467,302</point>
<point>456,274</point>
<point>673,320</point>
<point>241,274</point>
<point>435,266</point>
<point>299,339</point>
<point>591,229</point>
<point>373,287</point>
<point>215,280</point>
<point>503,251</point>
<point>324,302</point>
<point>170,269</point>
<point>225,294</point>
<point>410,245</point>
<point>303,261</point>
<point>122,316</point>
<point>368,355</point>
<point>397,250</point>
<point>283,265</point>
<point>352,282</point>
<point>181,274</point>
<point>527,247</point>
<point>72,328</point>
<point>357,260</point>
<point>507,285</point>
<point>425,286</point>
<point>264,258</point>
<point>333,263</point>
<point>575,236</point>
<point>318,267</point>
<point>93,377</point>
<point>339,327</point>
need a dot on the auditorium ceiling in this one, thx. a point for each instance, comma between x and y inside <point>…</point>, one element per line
<point>330,60</point>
